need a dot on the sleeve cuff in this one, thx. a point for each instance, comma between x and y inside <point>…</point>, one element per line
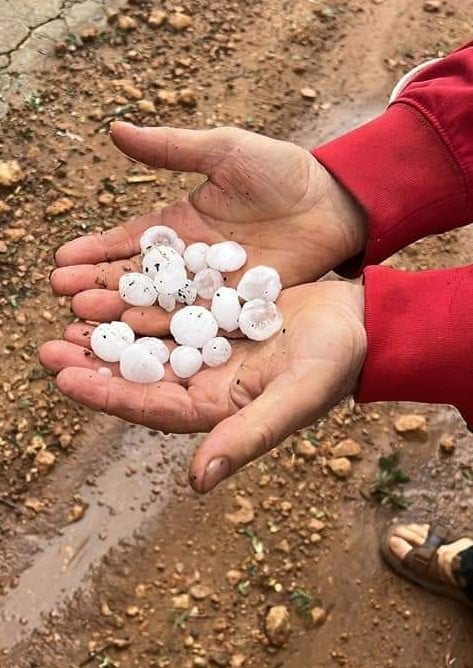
<point>420,337</point>
<point>403,175</point>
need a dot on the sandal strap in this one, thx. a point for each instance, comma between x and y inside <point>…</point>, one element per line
<point>423,560</point>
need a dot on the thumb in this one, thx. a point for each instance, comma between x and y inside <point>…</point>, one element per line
<point>175,149</point>
<point>254,430</point>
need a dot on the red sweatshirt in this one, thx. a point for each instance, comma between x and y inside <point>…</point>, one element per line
<point>412,171</point>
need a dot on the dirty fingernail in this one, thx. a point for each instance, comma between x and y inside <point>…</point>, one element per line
<point>217,470</point>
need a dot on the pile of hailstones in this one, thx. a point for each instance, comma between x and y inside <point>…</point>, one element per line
<point>172,275</point>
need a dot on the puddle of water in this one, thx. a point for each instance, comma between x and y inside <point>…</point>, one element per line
<point>127,494</point>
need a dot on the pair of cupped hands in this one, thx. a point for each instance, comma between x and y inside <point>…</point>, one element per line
<point>276,200</point>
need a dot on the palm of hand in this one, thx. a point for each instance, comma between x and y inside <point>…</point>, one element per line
<point>263,394</point>
<point>270,196</point>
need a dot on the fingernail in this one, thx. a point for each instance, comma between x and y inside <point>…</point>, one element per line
<point>217,470</point>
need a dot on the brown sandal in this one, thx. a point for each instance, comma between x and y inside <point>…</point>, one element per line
<point>421,565</point>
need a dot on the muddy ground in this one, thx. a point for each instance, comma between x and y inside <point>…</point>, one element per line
<point>106,557</point>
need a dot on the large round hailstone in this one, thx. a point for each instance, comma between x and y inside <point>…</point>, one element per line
<point>167,301</point>
<point>217,351</point>
<point>260,319</point>
<point>139,365</point>
<point>157,257</point>
<point>193,326</point>
<point>156,347</point>
<point>226,256</point>
<point>137,289</point>
<point>207,282</point>
<point>160,235</point>
<point>170,277</point>
<point>260,283</point>
<point>195,257</point>
<point>185,361</point>
<point>109,340</point>
<point>187,294</point>
<point>226,308</point>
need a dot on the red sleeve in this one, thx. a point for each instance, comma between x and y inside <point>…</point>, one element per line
<point>420,337</point>
<point>412,167</point>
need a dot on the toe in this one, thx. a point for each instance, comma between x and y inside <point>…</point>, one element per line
<point>415,534</point>
<point>399,547</point>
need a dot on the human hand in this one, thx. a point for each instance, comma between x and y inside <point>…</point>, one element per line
<point>271,196</point>
<point>264,393</point>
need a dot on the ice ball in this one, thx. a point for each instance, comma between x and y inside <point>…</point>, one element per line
<point>137,289</point>
<point>260,283</point>
<point>193,326</point>
<point>139,365</point>
<point>161,235</point>
<point>170,277</point>
<point>217,351</point>
<point>156,347</point>
<point>207,281</point>
<point>167,301</point>
<point>195,257</point>
<point>187,294</point>
<point>109,340</point>
<point>226,256</point>
<point>260,319</point>
<point>226,308</point>
<point>186,361</point>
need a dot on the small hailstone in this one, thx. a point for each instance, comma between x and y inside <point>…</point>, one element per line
<point>217,351</point>
<point>137,289</point>
<point>226,308</point>
<point>167,301</point>
<point>109,340</point>
<point>139,365</point>
<point>158,235</point>
<point>171,277</point>
<point>260,319</point>
<point>207,282</point>
<point>260,283</point>
<point>195,256</point>
<point>157,258</point>
<point>156,347</point>
<point>105,371</point>
<point>179,246</point>
<point>226,256</point>
<point>193,326</point>
<point>187,294</point>
<point>185,361</point>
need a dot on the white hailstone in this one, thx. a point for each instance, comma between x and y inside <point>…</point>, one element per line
<point>139,365</point>
<point>195,257</point>
<point>179,246</point>
<point>226,308</point>
<point>260,319</point>
<point>187,294</point>
<point>157,257</point>
<point>207,282</point>
<point>109,340</point>
<point>226,256</point>
<point>158,235</point>
<point>137,289</point>
<point>171,277</point>
<point>105,371</point>
<point>156,347</point>
<point>217,351</point>
<point>260,283</point>
<point>193,326</point>
<point>185,361</point>
<point>167,301</point>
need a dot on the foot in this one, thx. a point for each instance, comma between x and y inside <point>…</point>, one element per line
<point>406,537</point>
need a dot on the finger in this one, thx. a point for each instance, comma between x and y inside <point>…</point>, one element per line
<point>148,321</point>
<point>175,149</point>
<point>98,305</point>
<point>120,242</point>
<point>252,431</point>
<point>79,277</point>
<point>165,406</point>
<point>79,333</point>
<point>58,355</point>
